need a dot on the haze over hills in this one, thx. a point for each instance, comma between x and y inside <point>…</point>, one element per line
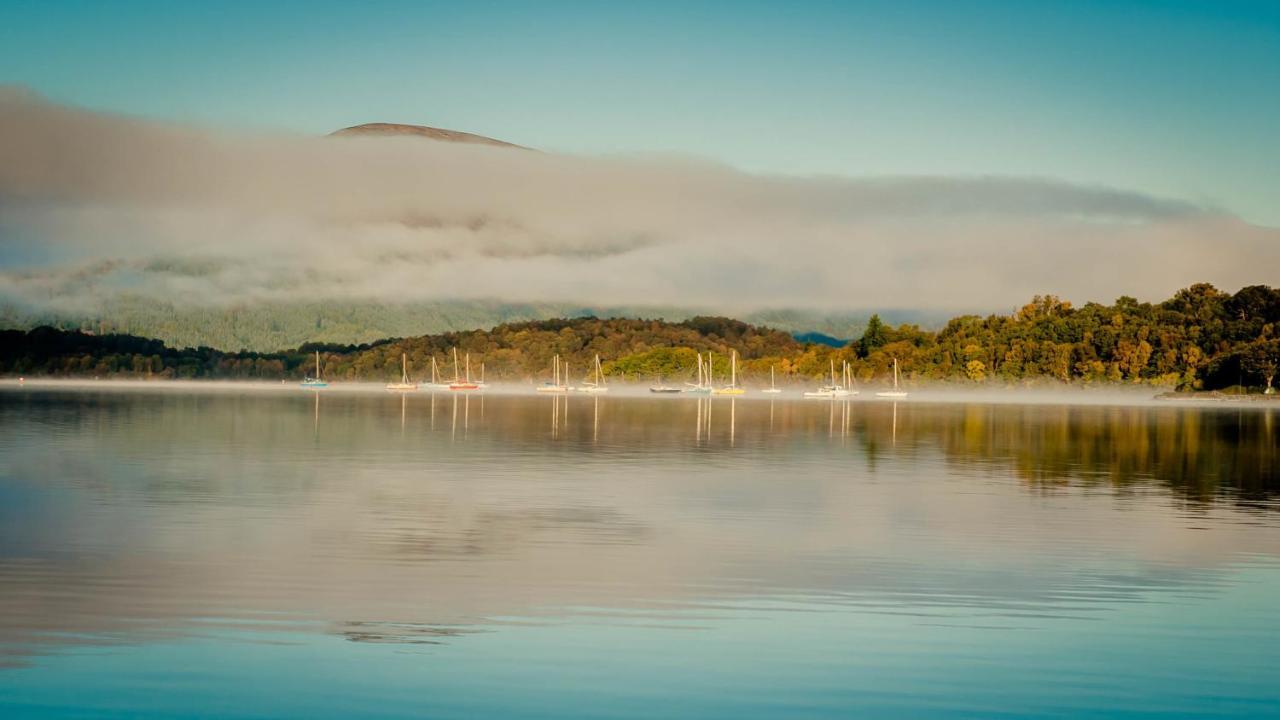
<point>275,325</point>
<point>268,327</point>
<point>242,241</point>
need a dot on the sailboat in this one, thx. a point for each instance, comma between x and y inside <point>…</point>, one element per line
<point>828,391</point>
<point>848,379</point>
<point>773,387</point>
<point>597,385</point>
<point>404,383</point>
<point>703,387</point>
<point>663,388</point>
<point>435,383</point>
<point>554,385</point>
<point>481,383</point>
<point>895,392</point>
<point>732,388</point>
<point>315,382</point>
<point>459,383</point>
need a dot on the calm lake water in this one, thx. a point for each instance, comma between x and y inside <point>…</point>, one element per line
<point>279,553</point>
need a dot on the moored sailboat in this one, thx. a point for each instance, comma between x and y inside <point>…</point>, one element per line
<point>435,383</point>
<point>597,385</point>
<point>773,387</point>
<point>458,382</point>
<point>315,382</point>
<point>732,388</point>
<point>848,379</point>
<point>703,387</point>
<point>404,383</point>
<point>555,385</point>
<point>832,390</point>
<point>895,392</point>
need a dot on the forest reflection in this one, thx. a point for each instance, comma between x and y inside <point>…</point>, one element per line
<point>1198,453</point>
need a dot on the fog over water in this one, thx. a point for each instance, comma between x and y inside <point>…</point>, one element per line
<point>95,204</point>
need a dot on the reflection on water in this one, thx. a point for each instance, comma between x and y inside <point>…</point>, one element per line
<point>588,555</point>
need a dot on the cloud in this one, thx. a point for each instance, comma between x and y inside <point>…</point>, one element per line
<point>94,204</point>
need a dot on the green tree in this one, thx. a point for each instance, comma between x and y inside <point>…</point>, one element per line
<point>873,338</point>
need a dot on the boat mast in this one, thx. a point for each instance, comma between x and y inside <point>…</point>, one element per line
<point>404,369</point>
<point>468,367</point>
<point>455,364</point>
<point>895,373</point>
<point>771,383</point>
<point>317,364</point>
<point>733,377</point>
<point>833,371</point>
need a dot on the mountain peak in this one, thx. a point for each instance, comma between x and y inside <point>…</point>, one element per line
<point>431,133</point>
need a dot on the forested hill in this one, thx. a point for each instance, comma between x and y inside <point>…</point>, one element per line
<point>272,326</point>
<point>1200,338</point>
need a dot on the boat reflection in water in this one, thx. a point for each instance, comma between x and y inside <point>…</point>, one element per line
<point>162,549</point>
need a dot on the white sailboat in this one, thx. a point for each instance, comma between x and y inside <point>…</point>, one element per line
<point>828,391</point>
<point>597,385</point>
<point>848,379</point>
<point>732,388</point>
<point>404,383</point>
<point>662,388</point>
<point>458,382</point>
<point>555,385</point>
<point>702,388</point>
<point>481,383</point>
<point>895,392</point>
<point>773,387</point>
<point>435,383</point>
<point>315,382</point>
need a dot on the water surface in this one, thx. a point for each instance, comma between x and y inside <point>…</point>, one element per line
<point>269,553</point>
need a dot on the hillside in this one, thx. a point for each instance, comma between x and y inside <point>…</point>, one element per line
<point>267,327</point>
<point>1201,338</point>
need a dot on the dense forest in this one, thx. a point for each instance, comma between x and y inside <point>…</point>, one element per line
<point>274,326</point>
<point>1201,338</point>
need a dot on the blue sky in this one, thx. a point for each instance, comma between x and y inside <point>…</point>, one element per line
<point>1175,98</point>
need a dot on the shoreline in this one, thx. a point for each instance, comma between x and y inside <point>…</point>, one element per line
<point>1096,396</point>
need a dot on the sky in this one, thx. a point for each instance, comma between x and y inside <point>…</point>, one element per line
<point>1176,101</point>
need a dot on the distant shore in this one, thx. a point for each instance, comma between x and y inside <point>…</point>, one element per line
<point>944,393</point>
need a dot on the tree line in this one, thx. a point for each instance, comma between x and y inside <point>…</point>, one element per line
<point>1201,338</point>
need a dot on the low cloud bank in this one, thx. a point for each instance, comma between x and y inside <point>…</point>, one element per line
<point>92,205</point>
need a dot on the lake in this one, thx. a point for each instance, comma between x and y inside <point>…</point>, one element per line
<point>178,551</point>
